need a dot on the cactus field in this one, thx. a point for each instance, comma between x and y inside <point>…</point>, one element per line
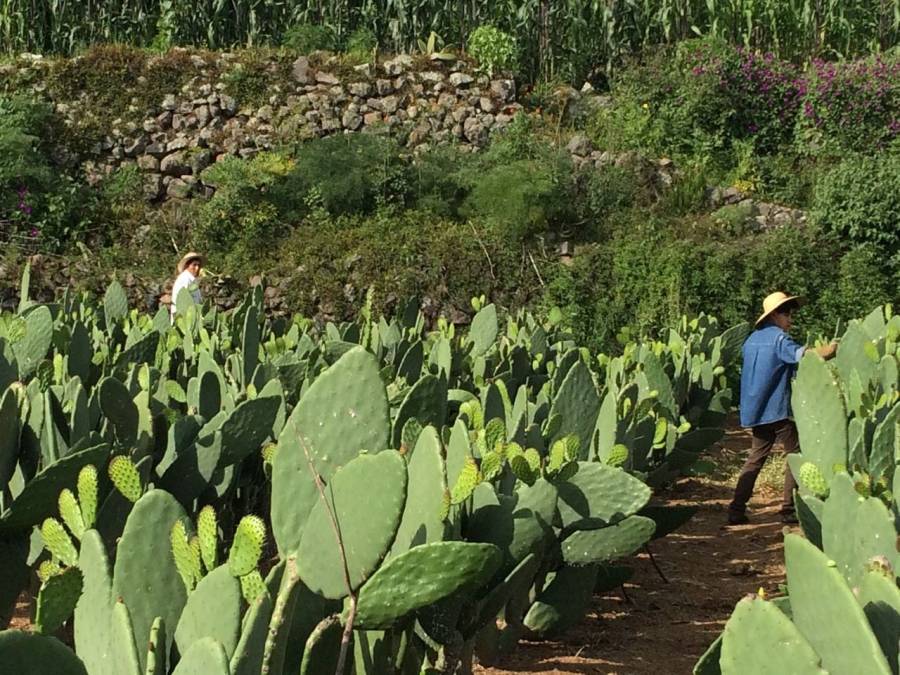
<point>237,494</point>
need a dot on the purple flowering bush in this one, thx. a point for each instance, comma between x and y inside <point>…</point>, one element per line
<point>710,96</point>
<point>38,203</point>
<point>851,106</point>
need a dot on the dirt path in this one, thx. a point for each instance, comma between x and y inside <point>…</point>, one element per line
<point>662,629</point>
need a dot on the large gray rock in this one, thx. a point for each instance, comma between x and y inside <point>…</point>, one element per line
<point>504,90</point>
<point>398,65</point>
<point>176,164</point>
<point>461,79</point>
<point>148,163</point>
<point>301,71</point>
<point>580,145</point>
<point>323,77</point>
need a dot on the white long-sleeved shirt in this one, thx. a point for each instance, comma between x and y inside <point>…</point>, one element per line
<point>188,281</point>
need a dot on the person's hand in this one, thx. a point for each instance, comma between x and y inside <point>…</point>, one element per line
<point>827,351</point>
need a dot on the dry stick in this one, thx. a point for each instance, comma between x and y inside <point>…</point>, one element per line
<point>534,265</point>
<point>351,612</point>
<point>653,560</point>
<point>484,248</point>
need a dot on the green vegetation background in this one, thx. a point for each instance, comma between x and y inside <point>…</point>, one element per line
<point>331,217</point>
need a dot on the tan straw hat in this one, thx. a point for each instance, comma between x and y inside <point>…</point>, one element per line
<point>775,300</point>
<point>191,255</point>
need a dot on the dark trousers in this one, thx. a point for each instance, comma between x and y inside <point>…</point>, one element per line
<point>764,438</point>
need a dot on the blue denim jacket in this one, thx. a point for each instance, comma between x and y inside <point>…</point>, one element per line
<point>770,363</point>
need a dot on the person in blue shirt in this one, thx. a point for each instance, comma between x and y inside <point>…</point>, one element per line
<point>770,363</point>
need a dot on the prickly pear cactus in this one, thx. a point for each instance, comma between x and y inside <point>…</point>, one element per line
<point>58,541</point>
<point>246,549</point>
<point>125,478</point>
<point>56,600</point>
<point>812,479</point>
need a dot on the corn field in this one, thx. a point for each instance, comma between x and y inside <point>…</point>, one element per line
<point>563,38</point>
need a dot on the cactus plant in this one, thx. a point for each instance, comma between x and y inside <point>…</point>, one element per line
<point>367,529</point>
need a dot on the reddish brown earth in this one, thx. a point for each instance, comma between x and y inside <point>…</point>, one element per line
<point>663,628</point>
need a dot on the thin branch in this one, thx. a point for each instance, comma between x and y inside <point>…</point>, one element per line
<point>484,248</point>
<point>351,612</point>
<point>534,265</point>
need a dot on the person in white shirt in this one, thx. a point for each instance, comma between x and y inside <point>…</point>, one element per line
<point>188,273</point>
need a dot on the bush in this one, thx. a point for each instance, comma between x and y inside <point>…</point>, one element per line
<point>493,49</point>
<point>360,45</point>
<point>38,204</point>
<point>651,273</point>
<point>407,254</point>
<point>352,173</point>
<point>306,38</point>
<point>859,199</point>
<point>852,106</point>
<point>252,208</point>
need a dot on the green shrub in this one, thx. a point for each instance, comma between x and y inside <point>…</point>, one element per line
<point>404,254</point>
<point>38,203</point>
<point>523,196</point>
<point>859,199</point>
<point>353,173</point>
<point>252,208</point>
<point>652,272</point>
<point>306,38</point>
<point>493,49</point>
<point>435,183</point>
<point>360,45</point>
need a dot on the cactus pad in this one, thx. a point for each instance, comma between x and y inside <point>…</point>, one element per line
<point>249,539</point>
<point>87,494</point>
<point>248,655</point>
<point>93,612</point>
<point>204,657</point>
<point>47,569</point>
<point>422,576</point>
<point>144,576</point>
<point>38,500</point>
<point>26,653</point>
<point>617,456</point>
<point>156,649</point>
<point>125,477</point>
<point>187,558</point>
<point>468,480</point>
<point>58,542</point>
<point>578,403</point>
<point>812,479</point>
<point>212,610</point>
<point>608,543</point>
<point>827,613</point>
<point>208,535</point>
<point>56,600</point>
<point>367,527</point>
<point>252,586</point>
<point>563,600</point>
<point>599,495</point>
<point>422,520</point>
<point>70,512</point>
<point>758,635</point>
<point>333,434</point>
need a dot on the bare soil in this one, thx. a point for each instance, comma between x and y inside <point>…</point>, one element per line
<point>663,628</point>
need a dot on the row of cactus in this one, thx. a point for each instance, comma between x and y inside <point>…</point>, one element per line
<point>246,494</point>
<point>842,611</point>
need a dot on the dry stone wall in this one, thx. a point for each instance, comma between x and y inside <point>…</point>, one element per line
<point>419,102</point>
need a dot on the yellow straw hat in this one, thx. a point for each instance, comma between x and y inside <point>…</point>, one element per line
<point>775,300</point>
<point>191,255</point>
